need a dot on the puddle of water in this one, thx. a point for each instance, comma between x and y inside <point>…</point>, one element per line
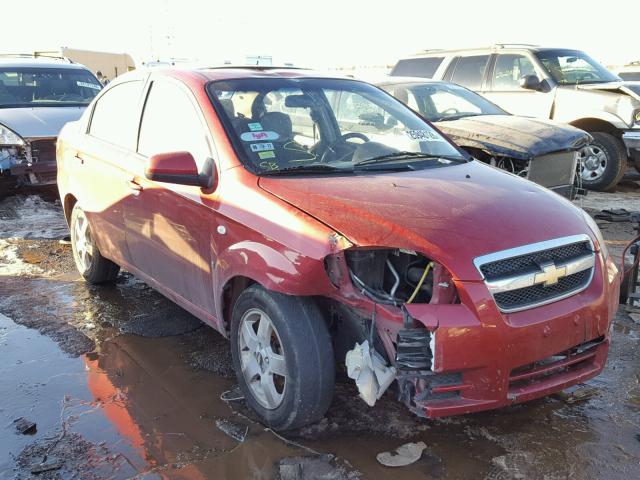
<point>135,397</point>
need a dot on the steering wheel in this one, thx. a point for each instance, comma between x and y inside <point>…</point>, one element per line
<point>350,135</point>
<point>333,149</point>
<point>451,111</point>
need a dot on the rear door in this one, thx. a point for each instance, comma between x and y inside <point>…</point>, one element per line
<point>504,87</point>
<point>469,71</point>
<point>98,173</point>
<point>168,227</point>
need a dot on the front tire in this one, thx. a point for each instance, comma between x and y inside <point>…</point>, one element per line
<point>283,357</point>
<point>89,261</point>
<point>602,162</point>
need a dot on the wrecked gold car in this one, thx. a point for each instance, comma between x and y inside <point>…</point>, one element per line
<point>554,83</point>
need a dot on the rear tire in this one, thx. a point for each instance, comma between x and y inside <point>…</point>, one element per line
<point>89,261</point>
<point>283,357</point>
<point>603,162</point>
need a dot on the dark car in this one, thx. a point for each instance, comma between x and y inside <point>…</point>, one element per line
<point>243,197</point>
<point>37,97</point>
<point>542,151</point>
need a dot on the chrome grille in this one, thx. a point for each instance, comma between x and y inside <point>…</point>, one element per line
<point>532,261</point>
<point>540,273</point>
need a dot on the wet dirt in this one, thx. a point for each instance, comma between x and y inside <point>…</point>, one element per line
<point>122,383</point>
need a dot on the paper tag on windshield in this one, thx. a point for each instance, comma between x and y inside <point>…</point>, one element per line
<point>424,136</point>
<point>261,147</point>
<point>89,85</point>
<point>255,127</point>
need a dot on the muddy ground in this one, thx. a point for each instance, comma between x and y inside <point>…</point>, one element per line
<point>121,383</point>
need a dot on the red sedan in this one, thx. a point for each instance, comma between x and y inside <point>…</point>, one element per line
<point>318,220</point>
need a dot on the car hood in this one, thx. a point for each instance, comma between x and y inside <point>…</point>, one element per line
<point>630,88</point>
<point>38,121</point>
<point>517,137</point>
<point>452,214</point>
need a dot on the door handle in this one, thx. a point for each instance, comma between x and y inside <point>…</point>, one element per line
<point>78,157</point>
<point>135,187</point>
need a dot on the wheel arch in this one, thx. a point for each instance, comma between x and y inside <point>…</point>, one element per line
<point>592,124</point>
<point>67,206</point>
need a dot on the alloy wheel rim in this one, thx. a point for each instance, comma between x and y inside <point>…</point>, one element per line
<point>262,358</point>
<point>593,162</point>
<point>83,245</point>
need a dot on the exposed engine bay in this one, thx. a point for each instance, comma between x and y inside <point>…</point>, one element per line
<point>391,276</point>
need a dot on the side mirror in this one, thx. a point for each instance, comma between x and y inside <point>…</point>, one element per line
<point>179,168</point>
<point>530,82</point>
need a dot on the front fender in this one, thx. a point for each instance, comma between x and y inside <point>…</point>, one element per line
<point>273,266</point>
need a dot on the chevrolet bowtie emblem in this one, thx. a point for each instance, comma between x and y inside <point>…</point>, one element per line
<point>550,274</point>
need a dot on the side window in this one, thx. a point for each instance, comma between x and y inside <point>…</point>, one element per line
<point>470,71</point>
<point>115,116</point>
<point>417,67</point>
<point>508,71</point>
<point>170,123</point>
<point>444,102</point>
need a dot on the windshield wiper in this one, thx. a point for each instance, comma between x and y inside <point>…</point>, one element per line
<point>306,169</point>
<point>399,156</point>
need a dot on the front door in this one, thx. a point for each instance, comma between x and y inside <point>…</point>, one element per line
<point>168,226</point>
<point>506,92</point>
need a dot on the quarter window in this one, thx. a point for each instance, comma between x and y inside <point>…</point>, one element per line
<point>469,71</point>
<point>509,70</point>
<point>171,123</point>
<point>115,116</point>
<point>417,67</point>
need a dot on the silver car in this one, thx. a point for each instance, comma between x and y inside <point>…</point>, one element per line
<point>37,97</point>
<point>554,83</point>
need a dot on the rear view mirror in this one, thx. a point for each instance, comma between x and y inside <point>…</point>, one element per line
<point>299,101</point>
<point>530,82</point>
<point>179,168</point>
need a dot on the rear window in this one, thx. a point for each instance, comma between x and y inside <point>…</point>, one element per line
<point>469,71</point>
<point>417,67</point>
<point>629,75</point>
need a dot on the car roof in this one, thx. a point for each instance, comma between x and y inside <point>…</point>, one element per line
<point>493,48</point>
<point>393,80</point>
<point>236,72</point>
<point>40,62</point>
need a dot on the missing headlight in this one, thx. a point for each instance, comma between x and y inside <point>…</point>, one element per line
<point>393,276</point>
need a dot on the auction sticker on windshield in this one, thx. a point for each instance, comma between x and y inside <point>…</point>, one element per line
<point>89,85</point>
<point>255,127</point>
<point>253,136</point>
<point>424,135</point>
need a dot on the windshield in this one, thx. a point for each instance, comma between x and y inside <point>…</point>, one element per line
<point>323,125</point>
<point>443,101</point>
<point>46,87</point>
<point>573,67</point>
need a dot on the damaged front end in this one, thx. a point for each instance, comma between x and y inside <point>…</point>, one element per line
<point>377,337</point>
<point>26,161</point>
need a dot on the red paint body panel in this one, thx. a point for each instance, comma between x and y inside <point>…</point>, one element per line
<point>189,243</point>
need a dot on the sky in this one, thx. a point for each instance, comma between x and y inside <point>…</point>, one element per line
<point>318,33</point>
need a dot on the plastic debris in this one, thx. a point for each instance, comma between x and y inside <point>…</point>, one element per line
<point>234,430</point>
<point>403,455</point>
<point>369,370</point>
<point>46,467</point>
